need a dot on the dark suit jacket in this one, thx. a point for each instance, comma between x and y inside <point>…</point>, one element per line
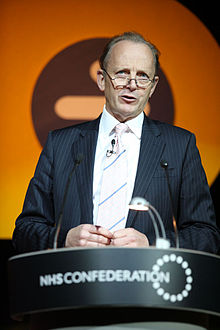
<point>35,227</point>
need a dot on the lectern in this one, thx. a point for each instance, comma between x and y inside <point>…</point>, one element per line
<point>117,287</point>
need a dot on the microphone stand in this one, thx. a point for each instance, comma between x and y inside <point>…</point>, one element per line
<point>60,218</point>
<point>164,165</point>
<point>141,204</point>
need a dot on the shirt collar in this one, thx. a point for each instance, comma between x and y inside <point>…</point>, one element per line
<point>108,122</point>
<point>136,124</point>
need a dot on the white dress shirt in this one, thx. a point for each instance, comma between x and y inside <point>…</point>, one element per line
<point>131,141</point>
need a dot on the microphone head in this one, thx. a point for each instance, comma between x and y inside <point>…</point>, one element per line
<point>113,142</point>
<point>163,163</point>
<point>79,158</point>
<point>162,243</point>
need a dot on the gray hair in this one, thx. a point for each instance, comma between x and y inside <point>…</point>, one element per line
<point>130,36</point>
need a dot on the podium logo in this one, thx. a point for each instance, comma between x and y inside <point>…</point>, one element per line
<point>178,265</point>
<point>171,277</point>
<point>109,275</point>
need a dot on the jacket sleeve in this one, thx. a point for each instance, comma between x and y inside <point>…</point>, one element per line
<point>195,214</point>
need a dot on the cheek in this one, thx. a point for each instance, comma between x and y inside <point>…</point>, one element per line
<point>109,92</point>
<point>113,95</point>
<point>144,97</point>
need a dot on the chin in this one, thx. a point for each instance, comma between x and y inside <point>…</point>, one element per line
<point>126,116</point>
<point>129,113</point>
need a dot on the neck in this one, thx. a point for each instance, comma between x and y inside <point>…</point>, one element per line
<point>120,118</point>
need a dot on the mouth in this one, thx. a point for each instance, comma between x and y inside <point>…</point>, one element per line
<point>128,98</point>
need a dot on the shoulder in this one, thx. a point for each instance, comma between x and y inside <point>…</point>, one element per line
<point>167,131</point>
<point>72,132</point>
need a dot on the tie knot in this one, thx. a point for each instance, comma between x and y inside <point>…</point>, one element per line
<point>121,128</point>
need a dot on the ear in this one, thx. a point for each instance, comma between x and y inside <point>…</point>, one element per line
<point>100,80</point>
<point>156,79</point>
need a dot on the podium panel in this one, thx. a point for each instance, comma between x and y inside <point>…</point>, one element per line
<point>91,286</point>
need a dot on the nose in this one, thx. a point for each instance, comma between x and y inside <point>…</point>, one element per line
<point>132,84</point>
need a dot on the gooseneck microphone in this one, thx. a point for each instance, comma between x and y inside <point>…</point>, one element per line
<point>110,152</point>
<point>77,162</point>
<point>141,204</point>
<point>164,165</point>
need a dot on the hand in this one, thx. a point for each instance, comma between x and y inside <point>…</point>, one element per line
<point>129,237</point>
<point>88,235</point>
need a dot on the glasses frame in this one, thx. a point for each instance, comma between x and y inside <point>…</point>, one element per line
<point>128,81</point>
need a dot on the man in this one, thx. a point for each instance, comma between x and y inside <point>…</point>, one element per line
<point>128,78</point>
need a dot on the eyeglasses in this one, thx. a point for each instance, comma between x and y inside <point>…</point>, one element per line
<point>122,81</point>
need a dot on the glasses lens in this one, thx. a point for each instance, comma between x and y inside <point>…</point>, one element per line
<point>121,81</point>
<point>142,82</point>
<point>124,81</point>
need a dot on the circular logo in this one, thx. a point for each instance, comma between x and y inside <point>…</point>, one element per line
<point>179,265</point>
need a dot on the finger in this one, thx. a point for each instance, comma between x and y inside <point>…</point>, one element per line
<point>123,233</point>
<point>88,228</point>
<point>93,234</point>
<point>122,241</point>
<point>131,238</point>
<point>97,230</point>
<point>99,239</point>
<point>86,243</point>
<point>104,232</point>
<point>82,234</point>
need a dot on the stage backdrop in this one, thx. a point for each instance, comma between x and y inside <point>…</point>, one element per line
<point>48,57</point>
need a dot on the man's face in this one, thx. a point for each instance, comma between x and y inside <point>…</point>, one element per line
<point>133,60</point>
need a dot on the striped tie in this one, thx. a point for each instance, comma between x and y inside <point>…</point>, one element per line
<point>112,205</point>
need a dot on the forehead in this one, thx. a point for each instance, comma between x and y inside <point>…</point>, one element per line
<point>131,55</point>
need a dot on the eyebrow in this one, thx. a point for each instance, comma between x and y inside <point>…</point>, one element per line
<point>128,70</point>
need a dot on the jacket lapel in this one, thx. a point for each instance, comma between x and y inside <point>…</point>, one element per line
<point>150,155</point>
<point>86,145</point>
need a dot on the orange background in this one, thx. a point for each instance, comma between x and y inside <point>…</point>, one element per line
<point>33,32</point>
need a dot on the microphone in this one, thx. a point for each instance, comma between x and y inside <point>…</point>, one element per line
<point>141,204</point>
<point>110,152</point>
<point>77,162</point>
<point>164,165</point>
